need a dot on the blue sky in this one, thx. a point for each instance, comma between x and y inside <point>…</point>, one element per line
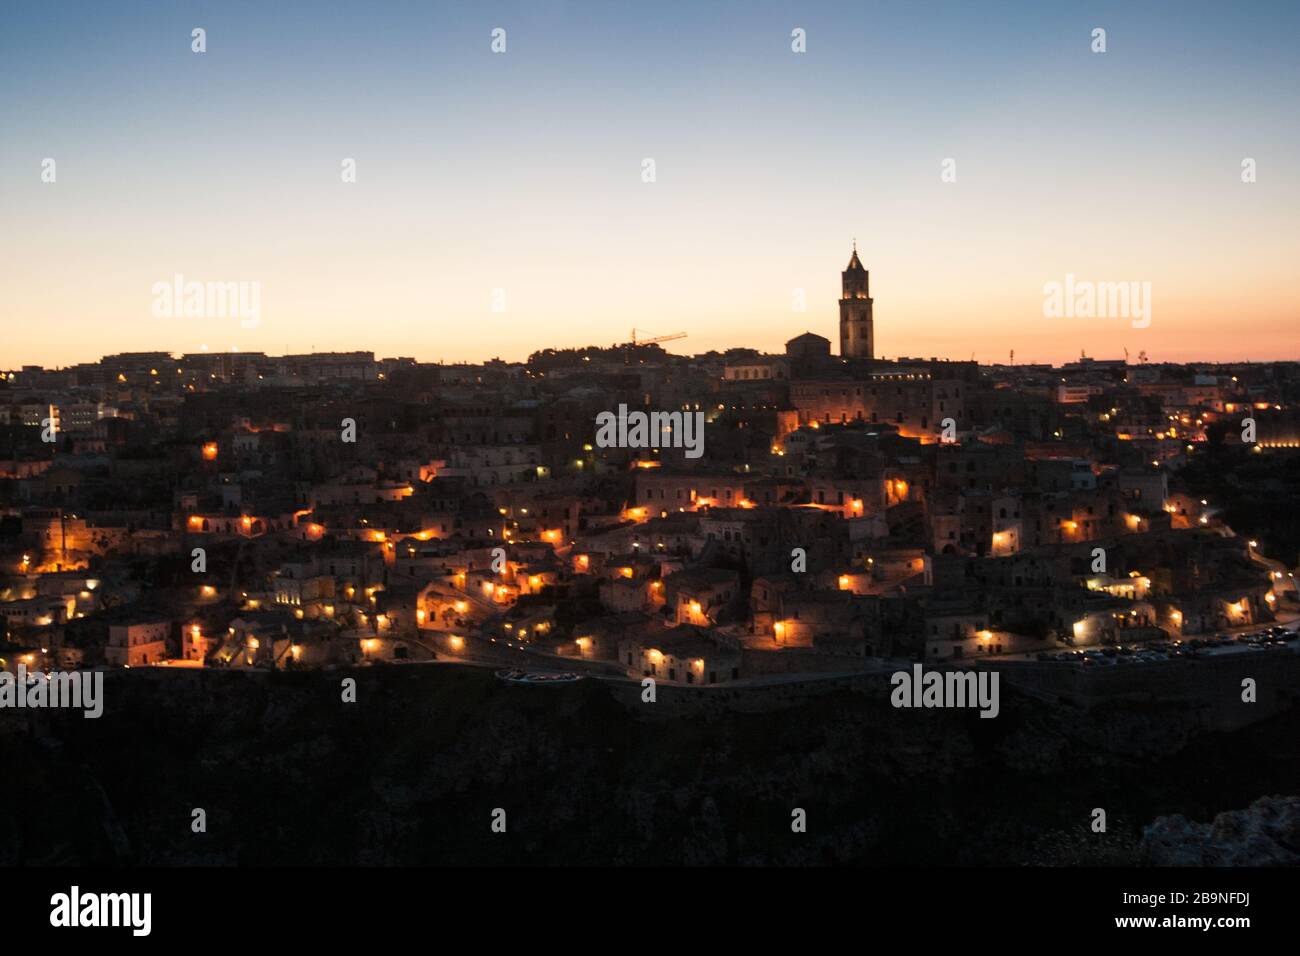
<point>521,172</point>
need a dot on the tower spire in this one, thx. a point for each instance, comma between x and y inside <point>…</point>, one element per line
<point>856,326</point>
<point>855,264</point>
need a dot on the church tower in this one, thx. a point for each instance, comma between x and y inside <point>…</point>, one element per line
<point>857,338</point>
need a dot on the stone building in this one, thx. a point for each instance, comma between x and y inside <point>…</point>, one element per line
<point>857,333</point>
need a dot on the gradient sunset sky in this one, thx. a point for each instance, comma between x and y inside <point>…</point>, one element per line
<point>522,172</point>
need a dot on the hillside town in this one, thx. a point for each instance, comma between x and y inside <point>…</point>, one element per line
<point>244,510</point>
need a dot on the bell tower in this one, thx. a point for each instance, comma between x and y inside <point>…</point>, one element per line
<point>857,337</point>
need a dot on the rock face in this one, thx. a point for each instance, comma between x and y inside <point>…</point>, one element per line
<point>412,772</point>
<point>1267,833</point>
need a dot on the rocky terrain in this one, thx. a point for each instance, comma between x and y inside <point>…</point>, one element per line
<point>410,774</point>
<point>1267,833</point>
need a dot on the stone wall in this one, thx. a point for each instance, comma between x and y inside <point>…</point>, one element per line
<point>1211,685</point>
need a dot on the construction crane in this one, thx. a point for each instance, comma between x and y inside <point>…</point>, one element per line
<point>657,339</point>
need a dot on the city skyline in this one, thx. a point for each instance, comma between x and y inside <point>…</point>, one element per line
<point>501,178</point>
<point>761,434</point>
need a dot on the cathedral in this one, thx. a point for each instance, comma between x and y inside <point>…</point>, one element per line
<point>914,395</point>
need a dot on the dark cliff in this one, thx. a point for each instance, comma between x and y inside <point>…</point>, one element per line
<point>410,774</point>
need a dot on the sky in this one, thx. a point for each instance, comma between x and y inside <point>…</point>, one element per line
<point>500,203</point>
